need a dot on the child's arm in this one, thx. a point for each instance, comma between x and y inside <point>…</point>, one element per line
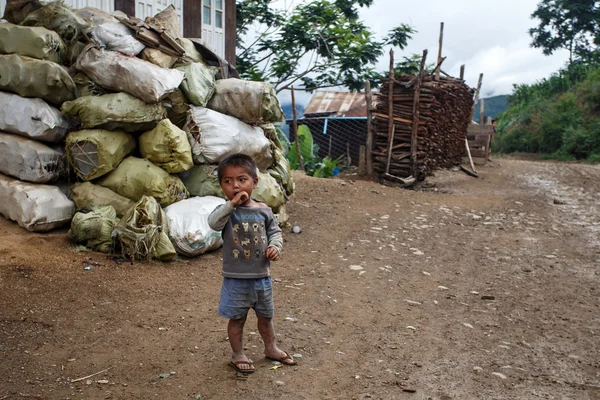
<point>219,217</point>
<point>275,240</point>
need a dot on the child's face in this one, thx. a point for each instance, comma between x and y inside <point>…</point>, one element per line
<point>237,179</point>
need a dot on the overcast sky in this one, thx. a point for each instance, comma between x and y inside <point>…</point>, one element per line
<point>488,36</point>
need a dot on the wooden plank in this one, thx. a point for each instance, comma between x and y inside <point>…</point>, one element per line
<point>391,111</point>
<point>192,19</point>
<point>439,59</point>
<point>369,149</point>
<point>415,124</point>
<point>480,129</point>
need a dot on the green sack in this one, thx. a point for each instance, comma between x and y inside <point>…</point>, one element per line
<point>59,18</point>
<point>281,171</point>
<point>86,86</point>
<point>191,52</point>
<point>29,77</point>
<point>136,177</point>
<point>269,192</point>
<point>74,49</point>
<point>142,232</point>
<point>251,102</point>
<point>93,228</point>
<point>177,109</point>
<point>96,152</point>
<point>167,146</point>
<point>34,42</point>
<point>198,84</point>
<point>202,180</point>
<point>15,11</point>
<point>87,195</point>
<point>114,111</point>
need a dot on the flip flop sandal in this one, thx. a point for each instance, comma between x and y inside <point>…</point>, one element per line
<point>236,366</point>
<point>286,360</point>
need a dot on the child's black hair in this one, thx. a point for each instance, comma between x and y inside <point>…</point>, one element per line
<point>237,160</point>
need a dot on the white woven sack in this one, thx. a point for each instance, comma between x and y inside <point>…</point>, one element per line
<point>214,136</point>
<point>188,225</point>
<point>37,208</point>
<point>32,118</point>
<point>29,160</point>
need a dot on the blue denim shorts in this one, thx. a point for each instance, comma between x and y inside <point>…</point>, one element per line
<point>240,295</point>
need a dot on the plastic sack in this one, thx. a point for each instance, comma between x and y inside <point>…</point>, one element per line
<point>213,136</point>
<point>93,228</point>
<point>35,207</point>
<point>198,84</point>
<point>116,37</point>
<point>202,180</point>
<point>142,232</point>
<point>269,192</point>
<point>32,118</point>
<point>135,178</point>
<point>167,20</point>
<point>188,226</point>
<point>34,42</point>
<point>15,11</point>
<point>159,58</point>
<point>191,53</point>
<point>74,49</point>
<point>87,195</point>
<point>87,87</point>
<point>120,73</point>
<point>95,152</point>
<point>177,108</point>
<point>29,160</point>
<point>95,16</point>
<point>29,77</point>
<point>251,102</point>
<point>59,18</point>
<point>282,216</point>
<point>280,170</point>
<point>114,111</point>
<point>167,146</point>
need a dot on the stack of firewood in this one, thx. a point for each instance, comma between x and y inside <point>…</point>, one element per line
<point>444,114</point>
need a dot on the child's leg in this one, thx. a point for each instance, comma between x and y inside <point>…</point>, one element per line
<point>266,327</point>
<point>235,331</point>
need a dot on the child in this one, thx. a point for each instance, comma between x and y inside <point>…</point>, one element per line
<point>251,239</point>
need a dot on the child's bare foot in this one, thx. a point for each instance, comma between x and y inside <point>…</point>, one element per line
<point>242,364</point>
<point>282,356</point>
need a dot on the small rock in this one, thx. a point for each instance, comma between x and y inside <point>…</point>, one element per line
<point>297,355</point>
<point>467,325</point>
<point>558,201</point>
<point>551,256</point>
<point>280,383</point>
<point>477,217</point>
<point>290,319</point>
<point>88,268</point>
<point>296,229</point>
<point>473,292</point>
<point>411,328</point>
<point>414,303</point>
<point>357,377</point>
<point>487,297</point>
<point>88,382</point>
<point>165,375</point>
<point>435,302</point>
<point>409,390</point>
<point>442,287</point>
<point>477,369</point>
<point>425,273</point>
<point>356,268</point>
<point>276,363</point>
<point>499,375</point>
<point>103,381</point>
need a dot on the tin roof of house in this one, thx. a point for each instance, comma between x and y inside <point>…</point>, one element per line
<point>337,104</point>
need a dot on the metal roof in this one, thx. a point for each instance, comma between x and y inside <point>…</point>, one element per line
<point>337,104</point>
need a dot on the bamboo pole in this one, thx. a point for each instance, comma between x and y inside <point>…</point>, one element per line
<point>369,149</point>
<point>439,59</point>
<point>391,110</point>
<point>415,119</point>
<point>295,127</point>
<point>476,95</point>
<point>482,111</point>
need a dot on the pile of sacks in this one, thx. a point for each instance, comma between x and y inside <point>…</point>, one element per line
<point>120,138</point>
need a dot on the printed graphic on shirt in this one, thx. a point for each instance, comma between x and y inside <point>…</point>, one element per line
<point>246,226</point>
<point>247,254</point>
<point>236,253</point>
<point>255,226</point>
<point>264,239</point>
<point>236,240</point>
<point>245,242</point>
<point>256,239</point>
<point>236,228</point>
<point>257,252</point>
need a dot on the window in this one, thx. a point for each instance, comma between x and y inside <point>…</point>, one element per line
<point>206,12</point>
<point>219,14</point>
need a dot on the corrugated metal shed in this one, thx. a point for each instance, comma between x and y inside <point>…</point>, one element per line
<point>337,104</point>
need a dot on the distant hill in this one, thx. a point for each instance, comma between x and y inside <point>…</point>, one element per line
<point>493,106</point>
<point>287,110</point>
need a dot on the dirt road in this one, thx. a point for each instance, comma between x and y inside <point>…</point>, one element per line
<point>475,289</point>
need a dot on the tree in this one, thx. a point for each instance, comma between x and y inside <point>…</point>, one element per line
<point>567,24</point>
<point>321,43</point>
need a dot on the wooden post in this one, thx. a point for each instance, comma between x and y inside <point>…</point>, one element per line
<point>392,77</point>
<point>476,97</point>
<point>462,72</point>
<point>362,168</point>
<point>295,127</point>
<point>439,59</point>
<point>369,149</point>
<point>415,119</point>
<point>482,111</point>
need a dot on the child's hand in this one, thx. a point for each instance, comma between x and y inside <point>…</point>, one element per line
<point>272,253</point>
<point>239,199</point>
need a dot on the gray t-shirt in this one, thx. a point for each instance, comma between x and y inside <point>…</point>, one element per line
<point>246,232</point>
